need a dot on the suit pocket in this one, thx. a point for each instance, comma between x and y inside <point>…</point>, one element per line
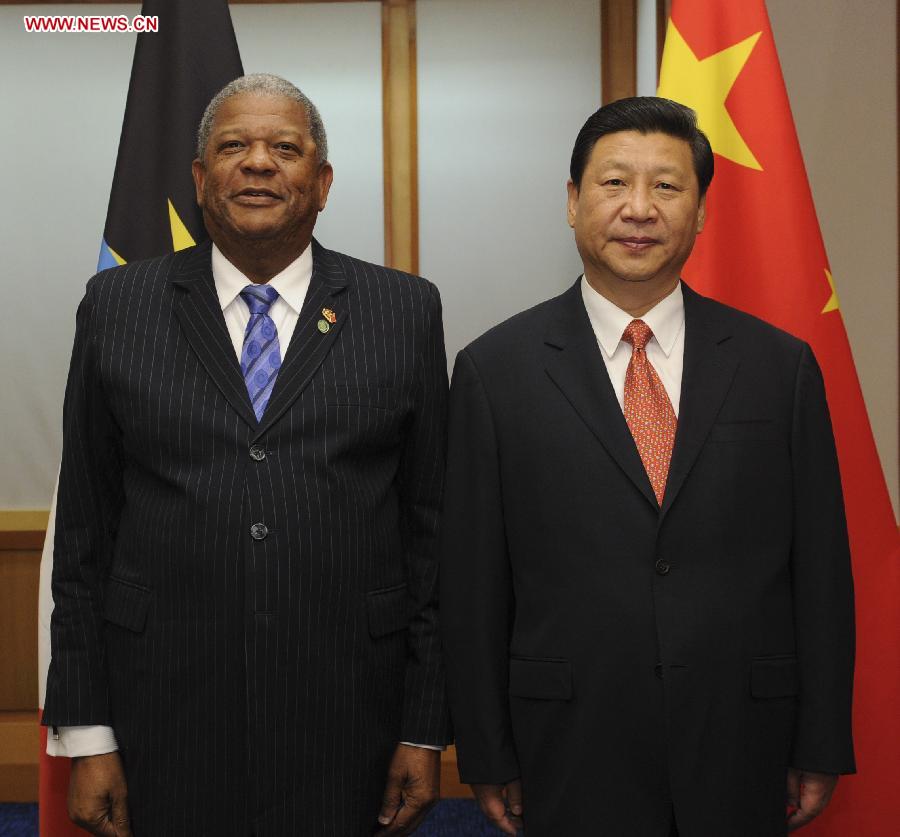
<point>126,604</point>
<point>774,677</point>
<point>350,395</point>
<point>387,610</point>
<point>752,430</point>
<point>540,679</point>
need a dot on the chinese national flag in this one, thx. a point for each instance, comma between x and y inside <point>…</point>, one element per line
<point>762,251</point>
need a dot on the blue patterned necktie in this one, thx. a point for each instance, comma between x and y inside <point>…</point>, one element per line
<point>261,355</point>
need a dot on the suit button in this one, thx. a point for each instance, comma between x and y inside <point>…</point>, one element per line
<point>257,453</point>
<point>662,567</point>
<point>258,531</point>
<point>658,671</point>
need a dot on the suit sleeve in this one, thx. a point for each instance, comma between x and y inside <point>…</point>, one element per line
<point>822,584</point>
<point>477,603</point>
<point>88,507</point>
<point>425,717</point>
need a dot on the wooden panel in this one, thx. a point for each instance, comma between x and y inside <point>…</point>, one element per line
<point>19,743</point>
<point>399,115</point>
<point>29,540</point>
<point>451,787</point>
<point>618,49</point>
<point>22,529</point>
<point>19,575</point>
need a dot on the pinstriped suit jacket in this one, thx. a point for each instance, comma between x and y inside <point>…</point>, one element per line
<point>256,685</point>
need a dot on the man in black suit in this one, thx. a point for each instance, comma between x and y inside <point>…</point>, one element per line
<point>245,564</point>
<point>646,595</point>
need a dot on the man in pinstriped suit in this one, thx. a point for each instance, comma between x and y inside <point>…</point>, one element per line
<point>245,635</point>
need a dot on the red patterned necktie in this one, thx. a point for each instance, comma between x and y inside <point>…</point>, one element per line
<point>648,411</point>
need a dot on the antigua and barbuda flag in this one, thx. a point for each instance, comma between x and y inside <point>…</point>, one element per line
<point>762,251</point>
<point>152,211</point>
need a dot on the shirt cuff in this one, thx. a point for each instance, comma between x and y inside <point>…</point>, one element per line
<point>439,747</point>
<point>81,741</point>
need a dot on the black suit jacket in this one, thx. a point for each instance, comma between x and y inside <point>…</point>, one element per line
<point>257,677</point>
<point>620,657</point>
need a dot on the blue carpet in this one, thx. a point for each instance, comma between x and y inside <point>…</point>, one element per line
<point>457,818</point>
<point>18,820</point>
<point>450,818</point>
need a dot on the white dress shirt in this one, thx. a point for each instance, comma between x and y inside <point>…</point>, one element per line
<point>292,285</point>
<point>665,350</point>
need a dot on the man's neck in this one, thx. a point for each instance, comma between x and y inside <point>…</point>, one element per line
<point>636,298</point>
<point>259,260</point>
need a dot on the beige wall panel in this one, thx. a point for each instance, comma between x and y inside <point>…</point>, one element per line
<point>839,65</point>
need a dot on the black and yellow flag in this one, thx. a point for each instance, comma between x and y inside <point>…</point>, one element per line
<point>176,71</point>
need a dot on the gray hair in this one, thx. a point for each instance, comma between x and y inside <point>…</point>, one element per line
<point>263,84</point>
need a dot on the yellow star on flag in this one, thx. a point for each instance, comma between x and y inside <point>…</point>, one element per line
<point>181,238</point>
<point>832,304</point>
<point>704,86</point>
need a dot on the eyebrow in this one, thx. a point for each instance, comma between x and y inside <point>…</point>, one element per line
<point>613,163</point>
<point>232,129</point>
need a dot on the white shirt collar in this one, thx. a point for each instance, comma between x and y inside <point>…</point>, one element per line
<point>666,319</point>
<point>291,284</point>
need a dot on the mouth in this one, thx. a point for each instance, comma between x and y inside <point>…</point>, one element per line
<point>637,243</point>
<point>252,196</point>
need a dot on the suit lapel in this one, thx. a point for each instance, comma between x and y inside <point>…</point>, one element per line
<point>200,315</point>
<point>309,345</point>
<point>709,368</point>
<point>575,364</point>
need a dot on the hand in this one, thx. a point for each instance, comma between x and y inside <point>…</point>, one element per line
<point>98,795</point>
<point>412,789</point>
<point>505,813</point>
<point>807,794</point>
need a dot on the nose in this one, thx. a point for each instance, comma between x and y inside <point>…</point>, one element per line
<point>639,206</point>
<point>258,159</point>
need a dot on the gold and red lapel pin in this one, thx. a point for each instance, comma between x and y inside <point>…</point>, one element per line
<point>330,320</point>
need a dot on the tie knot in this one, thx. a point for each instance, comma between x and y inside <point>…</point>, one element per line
<point>259,298</point>
<point>638,333</point>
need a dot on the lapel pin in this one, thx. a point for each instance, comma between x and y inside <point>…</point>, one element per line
<point>323,326</point>
<point>329,315</point>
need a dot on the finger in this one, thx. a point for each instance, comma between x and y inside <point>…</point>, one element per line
<point>392,799</point>
<point>514,797</point>
<point>120,817</point>
<point>408,819</point>
<point>814,796</point>
<point>418,799</point>
<point>93,821</point>
<point>102,827</point>
<point>494,808</point>
<point>813,799</point>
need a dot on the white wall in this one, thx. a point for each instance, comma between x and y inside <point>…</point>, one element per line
<point>504,87</point>
<point>63,98</point>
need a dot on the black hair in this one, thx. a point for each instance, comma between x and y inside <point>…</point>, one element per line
<point>646,115</point>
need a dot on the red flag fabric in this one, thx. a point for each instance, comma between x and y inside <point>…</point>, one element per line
<point>762,251</point>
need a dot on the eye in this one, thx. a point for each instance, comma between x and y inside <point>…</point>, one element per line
<point>287,147</point>
<point>230,145</point>
<point>666,187</point>
<point>614,181</point>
